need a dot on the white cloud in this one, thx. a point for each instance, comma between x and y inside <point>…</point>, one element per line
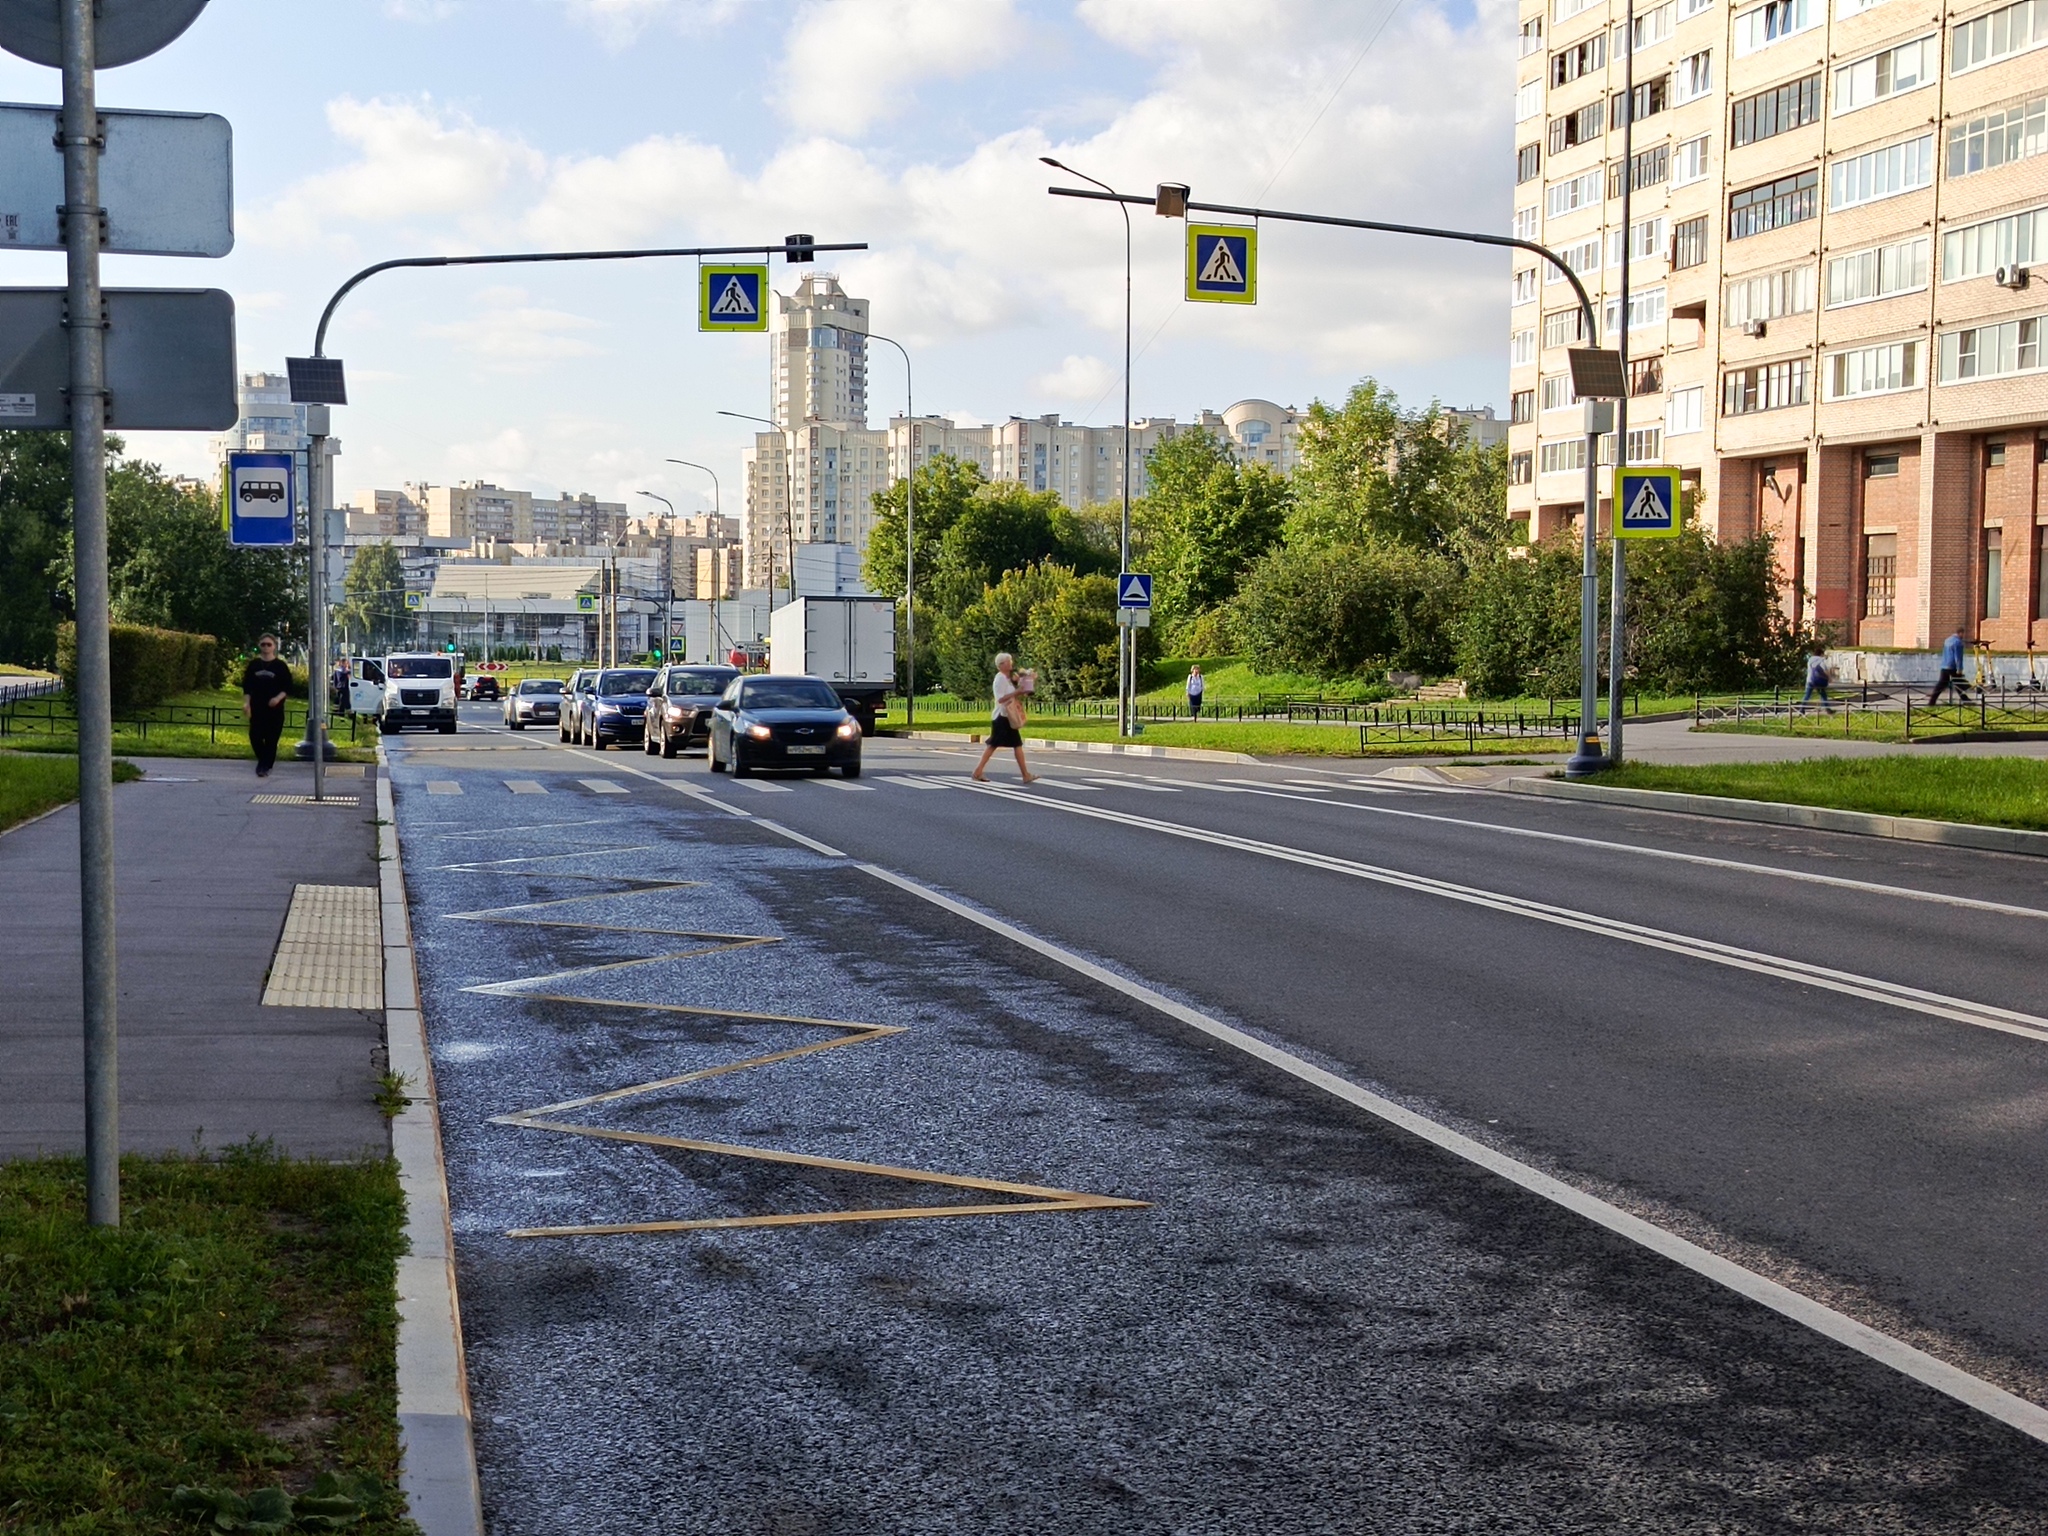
<point>1077,378</point>
<point>515,336</point>
<point>851,63</point>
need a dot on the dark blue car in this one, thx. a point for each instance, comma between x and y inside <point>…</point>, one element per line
<point>616,711</point>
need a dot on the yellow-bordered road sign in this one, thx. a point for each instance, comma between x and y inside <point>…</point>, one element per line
<point>1223,263</point>
<point>732,298</point>
<point>1646,504</point>
<point>415,601</point>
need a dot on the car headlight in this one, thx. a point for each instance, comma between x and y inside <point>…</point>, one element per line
<point>607,709</point>
<point>849,729</point>
<point>678,711</point>
<point>759,732</point>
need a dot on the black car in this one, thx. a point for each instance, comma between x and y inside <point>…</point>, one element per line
<point>484,686</point>
<point>679,707</point>
<point>615,711</point>
<point>783,722</point>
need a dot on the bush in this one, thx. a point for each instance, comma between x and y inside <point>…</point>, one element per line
<point>146,666</point>
<point>969,644</point>
<point>1071,639</point>
<point>1339,610</point>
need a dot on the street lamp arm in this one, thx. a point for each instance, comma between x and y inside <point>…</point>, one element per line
<point>1471,237</point>
<point>524,257</point>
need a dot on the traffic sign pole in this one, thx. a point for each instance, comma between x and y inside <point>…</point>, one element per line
<point>94,685</point>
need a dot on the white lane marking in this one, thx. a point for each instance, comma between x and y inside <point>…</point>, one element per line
<point>1305,784</point>
<point>603,786</point>
<point>797,837</point>
<point>763,787</point>
<point>443,787</point>
<point>847,784</point>
<point>526,786</point>
<point>2029,1419</point>
<point>536,858</point>
<point>1895,994</point>
<point>679,785</point>
<point>911,783</point>
<point>531,826</point>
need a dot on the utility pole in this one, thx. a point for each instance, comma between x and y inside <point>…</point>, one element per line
<point>1617,593</point>
<point>909,532</point>
<point>718,554</point>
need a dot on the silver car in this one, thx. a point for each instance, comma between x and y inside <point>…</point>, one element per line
<point>534,701</point>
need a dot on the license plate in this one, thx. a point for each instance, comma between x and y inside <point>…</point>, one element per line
<point>806,751</point>
<point>419,711</point>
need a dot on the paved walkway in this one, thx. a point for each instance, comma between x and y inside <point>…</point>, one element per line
<point>205,877</point>
<point>1675,741</point>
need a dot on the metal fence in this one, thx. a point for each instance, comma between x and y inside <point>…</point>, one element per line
<point>1886,711</point>
<point>48,713</point>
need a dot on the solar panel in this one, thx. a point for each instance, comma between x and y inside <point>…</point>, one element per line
<point>316,381</point>
<point>1596,373</point>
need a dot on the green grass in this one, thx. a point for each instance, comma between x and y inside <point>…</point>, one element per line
<point>1989,791</point>
<point>1261,738</point>
<point>31,730</point>
<point>236,1332</point>
<point>30,786</point>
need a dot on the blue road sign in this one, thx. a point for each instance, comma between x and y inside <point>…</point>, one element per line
<point>1646,503</point>
<point>1223,264</point>
<point>260,496</point>
<point>1134,590</point>
<point>732,298</point>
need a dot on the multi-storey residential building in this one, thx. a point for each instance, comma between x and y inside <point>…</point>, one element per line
<point>476,509</point>
<point>269,423</point>
<point>1832,327</point>
<point>818,338</point>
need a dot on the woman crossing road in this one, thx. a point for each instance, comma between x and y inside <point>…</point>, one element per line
<point>1006,724</point>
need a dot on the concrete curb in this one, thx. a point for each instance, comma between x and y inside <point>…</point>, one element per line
<point>437,1466</point>
<point>1040,743</point>
<point>1954,834</point>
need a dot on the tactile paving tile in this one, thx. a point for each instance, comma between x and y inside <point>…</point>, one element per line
<point>302,800</point>
<point>332,952</point>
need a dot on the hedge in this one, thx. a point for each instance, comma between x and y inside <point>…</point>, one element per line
<point>148,665</point>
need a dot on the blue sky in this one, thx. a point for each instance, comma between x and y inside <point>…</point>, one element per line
<point>374,128</point>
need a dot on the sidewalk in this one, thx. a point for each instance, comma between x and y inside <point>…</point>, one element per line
<point>204,878</point>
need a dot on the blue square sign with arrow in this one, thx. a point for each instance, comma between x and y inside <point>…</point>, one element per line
<point>1646,504</point>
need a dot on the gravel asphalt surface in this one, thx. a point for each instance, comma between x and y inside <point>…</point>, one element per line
<point>1314,1322</point>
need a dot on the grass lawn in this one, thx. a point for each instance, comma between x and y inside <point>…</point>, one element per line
<point>236,1332</point>
<point>206,723</point>
<point>30,786</point>
<point>1990,791</point>
<point>1263,738</point>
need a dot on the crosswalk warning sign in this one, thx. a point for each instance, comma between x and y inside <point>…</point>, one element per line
<point>1646,502</point>
<point>730,298</point>
<point>1223,264</point>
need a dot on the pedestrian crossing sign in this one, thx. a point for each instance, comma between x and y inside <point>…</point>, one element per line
<point>1646,504</point>
<point>732,298</point>
<point>1223,264</point>
<point>415,601</point>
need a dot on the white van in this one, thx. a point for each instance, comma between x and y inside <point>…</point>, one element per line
<point>419,690</point>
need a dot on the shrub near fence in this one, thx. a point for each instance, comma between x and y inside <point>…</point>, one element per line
<point>147,666</point>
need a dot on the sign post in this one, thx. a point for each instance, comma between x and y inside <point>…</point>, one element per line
<point>1646,502</point>
<point>1134,599</point>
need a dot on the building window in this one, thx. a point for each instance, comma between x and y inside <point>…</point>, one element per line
<point>1557,458</point>
<point>1652,27</point>
<point>1644,308</point>
<point>1778,110</point>
<point>1645,444</point>
<point>1529,101</point>
<point>1528,163</point>
<point>1522,406</point>
<point>1693,78</point>
<point>1532,37</point>
<point>1764,25</point>
<point>1522,348</point>
<point>2015,240</point>
<point>1766,387</point>
<point>1646,376</point>
<point>1880,173</point>
<point>2040,584</point>
<point>1880,574</point>
<point>1687,9</point>
<point>1998,138</point>
<point>1646,243</point>
<point>1985,39</point>
<point>1649,170</point>
<point>1557,392</point>
<point>1525,223</point>
<point>1580,127</point>
<point>1689,244</point>
<point>1583,257</point>
<point>1578,192</point>
<point>1774,205</point>
<point>1890,73</point>
<point>1564,327</point>
<point>1880,466</point>
<point>1767,295</point>
<point>1994,575</point>
<point>1568,64</point>
<point>1689,162</point>
<point>1991,351</point>
<point>1878,273</point>
<point>1520,468</point>
<point>1524,289</point>
<point>1651,97</point>
<point>1566,9</point>
<point>1683,413</point>
<point>1880,370</point>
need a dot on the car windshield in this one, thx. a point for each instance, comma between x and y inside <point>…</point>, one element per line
<point>612,684</point>
<point>698,684</point>
<point>788,693</point>
<point>419,666</point>
<point>541,685</point>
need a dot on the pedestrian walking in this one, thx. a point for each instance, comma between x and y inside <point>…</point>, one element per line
<point>1195,687</point>
<point>1951,676</point>
<point>1006,724</point>
<point>265,683</point>
<point>1817,680</point>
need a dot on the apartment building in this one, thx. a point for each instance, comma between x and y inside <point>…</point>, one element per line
<point>1832,328</point>
<point>479,510</point>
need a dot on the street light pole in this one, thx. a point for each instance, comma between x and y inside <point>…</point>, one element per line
<point>788,501</point>
<point>668,608</point>
<point>1617,599</point>
<point>718,553</point>
<point>909,533</point>
<point>1126,649</point>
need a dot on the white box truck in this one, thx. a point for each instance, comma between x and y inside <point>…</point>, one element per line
<point>849,642</point>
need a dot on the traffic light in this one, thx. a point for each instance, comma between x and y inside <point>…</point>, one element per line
<point>797,248</point>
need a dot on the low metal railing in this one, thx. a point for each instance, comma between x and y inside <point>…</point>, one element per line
<point>49,713</point>
<point>1886,710</point>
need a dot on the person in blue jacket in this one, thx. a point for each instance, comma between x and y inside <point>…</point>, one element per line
<point>1951,670</point>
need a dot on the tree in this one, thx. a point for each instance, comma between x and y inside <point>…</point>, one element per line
<point>995,622</point>
<point>35,525</point>
<point>373,595</point>
<point>1205,519</point>
<point>945,488</point>
<point>1071,639</point>
<point>1002,528</point>
<point>170,566</point>
<point>1338,610</point>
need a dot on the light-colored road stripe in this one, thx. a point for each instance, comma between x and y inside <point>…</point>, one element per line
<point>1934,1004</point>
<point>443,787</point>
<point>2028,1418</point>
<point>763,787</point>
<point>847,784</point>
<point>526,786</point>
<point>680,785</point>
<point>797,837</point>
<point>908,782</point>
<point>603,786</point>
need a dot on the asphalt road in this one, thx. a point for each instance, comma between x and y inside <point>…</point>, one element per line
<point>1815,1055</point>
